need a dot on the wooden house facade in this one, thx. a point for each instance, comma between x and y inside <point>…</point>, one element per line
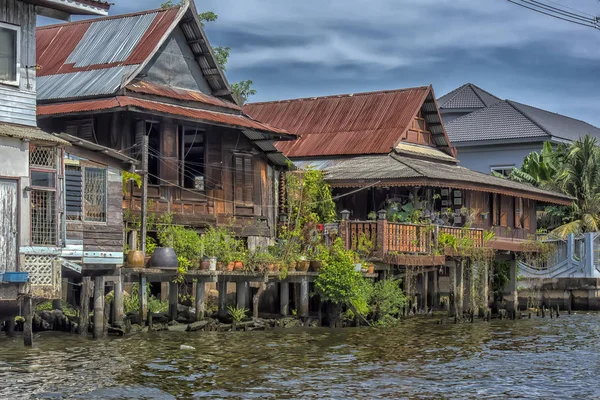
<point>31,161</point>
<point>209,164</point>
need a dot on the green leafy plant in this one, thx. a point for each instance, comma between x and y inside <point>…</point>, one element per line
<point>130,177</point>
<point>386,301</point>
<point>372,216</point>
<point>237,313</point>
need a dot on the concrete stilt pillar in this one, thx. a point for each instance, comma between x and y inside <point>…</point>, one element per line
<point>243,294</point>
<point>164,291</point>
<point>84,313</point>
<point>10,327</point>
<point>222,287</point>
<point>118,307</point>
<point>425,291</point>
<point>284,298</point>
<point>98,328</point>
<point>173,300</point>
<point>453,304</point>
<point>435,296</point>
<point>485,290</point>
<point>200,295</point>
<point>143,299</point>
<point>460,289</point>
<point>303,311</point>
<point>27,309</point>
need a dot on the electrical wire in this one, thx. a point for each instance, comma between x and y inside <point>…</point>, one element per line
<point>592,24</point>
<point>559,11</point>
<point>572,9</point>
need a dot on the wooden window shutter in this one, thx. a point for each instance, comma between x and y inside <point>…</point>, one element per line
<point>518,211</point>
<point>495,209</point>
<point>83,129</point>
<point>248,184</point>
<point>168,148</point>
<point>238,181</point>
<point>73,192</point>
<point>214,161</point>
<point>504,209</point>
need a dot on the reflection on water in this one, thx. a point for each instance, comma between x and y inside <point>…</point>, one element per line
<point>536,358</point>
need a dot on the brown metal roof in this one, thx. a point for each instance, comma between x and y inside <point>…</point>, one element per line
<point>238,121</point>
<point>179,94</point>
<point>362,123</point>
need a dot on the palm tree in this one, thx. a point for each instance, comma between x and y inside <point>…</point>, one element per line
<point>579,177</point>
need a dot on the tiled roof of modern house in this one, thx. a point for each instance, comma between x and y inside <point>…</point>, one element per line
<point>509,120</point>
<point>467,96</point>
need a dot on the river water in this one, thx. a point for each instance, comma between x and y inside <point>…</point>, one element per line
<point>537,358</point>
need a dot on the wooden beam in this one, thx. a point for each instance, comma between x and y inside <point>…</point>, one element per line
<point>194,41</point>
<point>223,92</point>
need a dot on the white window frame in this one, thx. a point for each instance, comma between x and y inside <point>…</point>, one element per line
<point>496,168</point>
<point>18,46</point>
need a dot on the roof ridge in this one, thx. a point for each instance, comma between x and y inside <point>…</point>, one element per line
<point>485,91</point>
<point>456,92</point>
<point>529,117</point>
<point>110,17</point>
<point>553,112</point>
<point>473,88</point>
<point>397,158</point>
<point>340,95</point>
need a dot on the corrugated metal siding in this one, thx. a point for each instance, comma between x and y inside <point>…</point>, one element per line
<point>8,225</point>
<point>82,84</point>
<point>17,106</point>
<point>54,46</point>
<point>364,123</point>
<point>110,41</point>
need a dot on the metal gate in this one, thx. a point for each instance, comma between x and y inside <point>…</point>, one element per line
<point>9,241</point>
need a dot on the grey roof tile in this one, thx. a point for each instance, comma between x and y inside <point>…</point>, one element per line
<point>557,125</point>
<point>499,121</point>
<point>467,96</point>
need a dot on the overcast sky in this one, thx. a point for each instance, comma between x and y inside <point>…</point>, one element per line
<point>292,48</point>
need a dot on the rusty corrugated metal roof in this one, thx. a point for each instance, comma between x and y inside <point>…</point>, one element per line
<point>99,47</point>
<point>179,94</point>
<point>238,121</point>
<point>362,123</point>
<point>101,43</point>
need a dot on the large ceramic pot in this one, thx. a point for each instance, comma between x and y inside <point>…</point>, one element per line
<point>302,266</point>
<point>204,264</point>
<point>315,266</point>
<point>230,266</point>
<point>292,266</point>
<point>164,258</point>
<point>371,269</point>
<point>238,266</point>
<point>135,259</point>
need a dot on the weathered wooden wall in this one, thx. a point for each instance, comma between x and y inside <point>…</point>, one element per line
<point>18,104</point>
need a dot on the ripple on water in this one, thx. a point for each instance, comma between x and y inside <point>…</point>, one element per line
<point>537,358</point>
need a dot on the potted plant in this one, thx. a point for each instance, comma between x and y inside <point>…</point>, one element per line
<point>303,264</point>
<point>320,255</point>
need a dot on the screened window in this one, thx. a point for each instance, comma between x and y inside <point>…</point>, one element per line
<point>42,170</point>
<point>9,53</point>
<point>191,159</point>
<point>94,194</point>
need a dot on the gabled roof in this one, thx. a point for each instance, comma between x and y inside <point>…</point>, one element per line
<point>467,96</point>
<point>74,7</point>
<point>100,56</point>
<point>394,169</point>
<point>509,120</point>
<point>361,123</point>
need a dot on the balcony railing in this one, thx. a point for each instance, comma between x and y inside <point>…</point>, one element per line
<point>402,238</point>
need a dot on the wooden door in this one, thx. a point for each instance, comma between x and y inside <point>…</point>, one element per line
<point>8,225</point>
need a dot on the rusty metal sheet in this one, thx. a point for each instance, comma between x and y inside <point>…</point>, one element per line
<point>362,123</point>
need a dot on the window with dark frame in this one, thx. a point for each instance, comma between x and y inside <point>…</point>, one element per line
<point>42,168</point>
<point>9,53</point>
<point>73,192</point>
<point>192,159</point>
<point>243,182</point>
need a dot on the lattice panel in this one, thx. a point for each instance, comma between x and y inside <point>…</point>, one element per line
<point>43,218</point>
<point>43,157</point>
<point>95,194</point>
<point>40,268</point>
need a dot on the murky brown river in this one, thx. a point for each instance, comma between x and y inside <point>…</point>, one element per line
<point>558,358</point>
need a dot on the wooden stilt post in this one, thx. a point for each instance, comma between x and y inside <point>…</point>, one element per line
<point>200,295</point>
<point>84,313</point>
<point>222,286</point>
<point>435,302</point>
<point>28,325</point>
<point>425,291</point>
<point>173,300</point>
<point>453,306</point>
<point>98,328</point>
<point>284,298</point>
<point>257,296</point>
<point>243,294</point>
<point>303,311</point>
<point>143,299</point>
<point>144,211</point>
<point>460,289</point>
<point>118,307</point>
